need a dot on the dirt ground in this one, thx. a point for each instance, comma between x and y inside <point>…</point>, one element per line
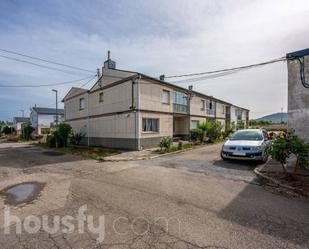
<point>189,200</point>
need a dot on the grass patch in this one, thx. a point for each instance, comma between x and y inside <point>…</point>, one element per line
<point>95,153</point>
<point>174,148</point>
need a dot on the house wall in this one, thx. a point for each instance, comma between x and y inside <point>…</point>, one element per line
<point>220,110</point>
<point>151,97</point>
<point>298,99</point>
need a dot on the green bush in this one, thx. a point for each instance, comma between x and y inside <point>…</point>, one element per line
<point>166,143</point>
<point>76,137</point>
<point>8,130</point>
<point>26,132</point>
<point>228,131</point>
<point>197,135</point>
<point>287,144</point>
<point>211,129</point>
<point>59,137</point>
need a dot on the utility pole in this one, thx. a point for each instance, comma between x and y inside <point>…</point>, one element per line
<point>56,114</point>
<point>56,105</point>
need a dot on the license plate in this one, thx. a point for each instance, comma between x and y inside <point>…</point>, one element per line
<point>239,153</point>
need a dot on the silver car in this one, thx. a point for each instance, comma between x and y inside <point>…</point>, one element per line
<point>250,144</point>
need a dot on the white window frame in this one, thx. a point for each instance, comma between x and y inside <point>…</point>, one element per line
<point>81,103</point>
<point>148,125</point>
<point>203,103</point>
<point>164,101</point>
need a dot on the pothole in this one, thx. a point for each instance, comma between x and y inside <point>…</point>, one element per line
<point>52,153</point>
<point>22,192</point>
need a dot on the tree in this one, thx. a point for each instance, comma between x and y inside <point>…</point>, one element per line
<point>8,130</point>
<point>59,137</point>
<point>211,129</point>
<point>26,132</point>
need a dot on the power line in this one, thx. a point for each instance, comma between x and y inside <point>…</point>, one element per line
<point>229,69</point>
<point>45,60</point>
<point>52,84</point>
<point>88,81</point>
<point>39,65</point>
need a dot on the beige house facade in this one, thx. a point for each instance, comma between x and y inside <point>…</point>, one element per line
<point>130,110</point>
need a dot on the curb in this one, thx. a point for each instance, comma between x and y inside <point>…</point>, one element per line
<point>273,181</point>
<point>147,157</point>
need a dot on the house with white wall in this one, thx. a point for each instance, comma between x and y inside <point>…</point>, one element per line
<point>131,110</point>
<point>42,119</point>
<point>17,124</point>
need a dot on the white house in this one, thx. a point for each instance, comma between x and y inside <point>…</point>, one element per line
<point>17,123</point>
<point>42,119</point>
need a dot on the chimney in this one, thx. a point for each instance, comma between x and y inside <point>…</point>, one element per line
<point>108,55</point>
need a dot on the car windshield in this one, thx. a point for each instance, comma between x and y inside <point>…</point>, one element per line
<point>247,135</point>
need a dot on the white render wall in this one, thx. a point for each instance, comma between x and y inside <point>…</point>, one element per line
<point>298,99</point>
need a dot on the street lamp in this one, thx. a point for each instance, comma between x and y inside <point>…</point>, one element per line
<point>56,105</point>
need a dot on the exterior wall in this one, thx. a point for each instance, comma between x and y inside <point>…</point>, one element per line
<point>151,97</point>
<point>114,131</point>
<point>196,107</point>
<point>198,119</point>
<point>298,99</point>
<point>152,139</point>
<point>220,110</point>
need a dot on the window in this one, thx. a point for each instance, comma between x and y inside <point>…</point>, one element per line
<point>223,109</point>
<point>165,97</point>
<point>81,103</point>
<point>210,107</point>
<point>151,124</point>
<point>194,124</point>
<point>202,104</point>
<point>180,102</point>
<point>101,97</point>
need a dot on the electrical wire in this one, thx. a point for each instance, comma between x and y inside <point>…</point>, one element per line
<point>88,82</point>
<point>45,60</point>
<point>39,65</point>
<point>52,84</point>
<point>229,69</point>
<point>302,72</point>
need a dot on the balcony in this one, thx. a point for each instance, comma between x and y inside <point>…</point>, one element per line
<point>210,112</point>
<point>179,108</point>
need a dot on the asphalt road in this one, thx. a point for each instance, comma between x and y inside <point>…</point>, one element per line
<point>189,200</point>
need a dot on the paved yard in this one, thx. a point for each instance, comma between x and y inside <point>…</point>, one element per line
<point>188,200</point>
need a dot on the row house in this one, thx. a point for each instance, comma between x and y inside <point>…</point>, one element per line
<point>131,110</point>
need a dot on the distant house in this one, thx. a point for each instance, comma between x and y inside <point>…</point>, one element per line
<point>42,119</point>
<point>17,123</point>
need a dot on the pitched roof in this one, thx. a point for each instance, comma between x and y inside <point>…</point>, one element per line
<point>21,119</point>
<point>51,111</point>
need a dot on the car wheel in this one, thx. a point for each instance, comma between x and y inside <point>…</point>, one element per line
<point>223,158</point>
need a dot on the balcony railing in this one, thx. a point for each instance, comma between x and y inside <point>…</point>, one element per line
<point>210,112</point>
<point>180,108</point>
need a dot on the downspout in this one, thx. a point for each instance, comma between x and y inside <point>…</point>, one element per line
<point>137,111</point>
<point>88,130</point>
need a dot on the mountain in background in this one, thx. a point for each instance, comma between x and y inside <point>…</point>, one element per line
<point>274,118</point>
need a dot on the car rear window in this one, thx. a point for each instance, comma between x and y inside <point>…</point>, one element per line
<point>247,135</point>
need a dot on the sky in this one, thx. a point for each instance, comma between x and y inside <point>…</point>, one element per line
<point>152,37</point>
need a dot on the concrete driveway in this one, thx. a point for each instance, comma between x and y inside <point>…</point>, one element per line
<point>151,204</point>
<point>207,160</point>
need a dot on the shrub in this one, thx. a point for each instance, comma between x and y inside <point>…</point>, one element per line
<point>59,137</point>
<point>211,129</point>
<point>166,143</point>
<point>76,137</point>
<point>197,135</point>
<point>26,132</point>
<point>285,145</point>
<point>8,130</point>
<point>228,131</point>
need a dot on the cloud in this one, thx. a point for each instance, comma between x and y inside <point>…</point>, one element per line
<point>156,37</point>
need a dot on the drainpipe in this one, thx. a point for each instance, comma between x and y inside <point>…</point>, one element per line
<point>88,139</point>
<point>137,111</point>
